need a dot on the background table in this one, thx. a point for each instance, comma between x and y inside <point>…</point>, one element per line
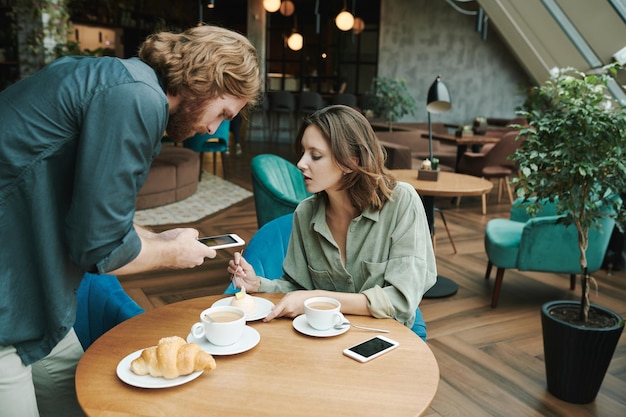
<point>449,184</point>
<point>462,142</point>
<point>286,374</point>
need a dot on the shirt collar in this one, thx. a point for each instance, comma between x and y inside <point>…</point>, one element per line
<point>318,220</point>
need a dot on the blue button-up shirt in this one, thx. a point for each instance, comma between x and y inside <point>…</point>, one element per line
<point>76,143</point>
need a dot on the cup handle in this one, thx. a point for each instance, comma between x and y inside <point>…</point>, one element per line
<point>338,319</point>
<point>197,330</point>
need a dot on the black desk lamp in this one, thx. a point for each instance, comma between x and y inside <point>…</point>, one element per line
<point>438,101</point>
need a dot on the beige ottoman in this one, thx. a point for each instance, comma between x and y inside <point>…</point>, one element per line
<point>173,176</point>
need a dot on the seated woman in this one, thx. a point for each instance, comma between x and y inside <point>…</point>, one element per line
<point>362,238</point>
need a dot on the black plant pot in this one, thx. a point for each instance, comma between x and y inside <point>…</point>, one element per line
<point>577,357</point>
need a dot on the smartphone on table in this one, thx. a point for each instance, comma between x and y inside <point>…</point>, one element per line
<point>222,241</point>
<point>371,348</point>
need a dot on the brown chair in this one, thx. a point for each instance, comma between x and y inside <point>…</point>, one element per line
<point>493,162</point>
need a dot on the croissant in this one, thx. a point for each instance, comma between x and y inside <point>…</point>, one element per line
<point>172,357</point>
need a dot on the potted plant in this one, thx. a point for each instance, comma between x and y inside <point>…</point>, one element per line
<point>391,100</point>
<point>573,155</point>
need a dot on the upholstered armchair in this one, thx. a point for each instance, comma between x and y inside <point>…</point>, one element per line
<point>278,187</point>
<point>215,143</point>
<point>102,304</point>
<point>541,244</point>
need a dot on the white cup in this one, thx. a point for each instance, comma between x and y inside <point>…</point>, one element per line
<point>221,326</point>
<point>323,313</point>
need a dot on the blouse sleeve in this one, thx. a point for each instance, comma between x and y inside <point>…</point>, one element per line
<point>410,269</point>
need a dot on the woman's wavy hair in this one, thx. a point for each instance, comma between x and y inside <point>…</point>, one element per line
<point>355,146</point>
<point>205,62</point>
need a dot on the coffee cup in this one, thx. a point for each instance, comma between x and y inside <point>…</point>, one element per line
<point>221,326</point>
<point>323,313</point>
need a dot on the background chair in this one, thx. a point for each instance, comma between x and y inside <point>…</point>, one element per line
<point>540,244</point>
<point>261,111</point>
<point>309,102</point>
<point>277,185</point>
<point>102,304</point>
<point>282,104</point>
<point>266,252</point>
<point>493,163</point>
<point>347,99</point>
<point>215,143</point>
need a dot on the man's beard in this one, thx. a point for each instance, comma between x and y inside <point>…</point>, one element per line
<point>181,125</point>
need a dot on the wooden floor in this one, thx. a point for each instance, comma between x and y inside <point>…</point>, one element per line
<point>491,360</point>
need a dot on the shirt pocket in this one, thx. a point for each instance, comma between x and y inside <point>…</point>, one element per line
<point>322,280</point>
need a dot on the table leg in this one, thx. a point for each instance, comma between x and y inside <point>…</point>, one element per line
<point>460,151</point>
<point>444,287</point>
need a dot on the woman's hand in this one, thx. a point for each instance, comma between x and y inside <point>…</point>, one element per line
<point>244,273</point>
<point>291,305</point>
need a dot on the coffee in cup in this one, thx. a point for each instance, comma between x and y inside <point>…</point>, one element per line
<point>221,326</point>
<point>323,313</point>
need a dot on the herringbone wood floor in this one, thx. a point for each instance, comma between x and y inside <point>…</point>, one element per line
<point>491,360</point>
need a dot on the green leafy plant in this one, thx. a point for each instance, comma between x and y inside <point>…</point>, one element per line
<point>575,154</point>
<point>40,25</point>
<point>391,99</point>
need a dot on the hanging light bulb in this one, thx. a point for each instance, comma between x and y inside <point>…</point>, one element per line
<point>211,5</point>
<point>344,20</point>
<point>295,41</point>
<point>271,5</point>
<point>287,8</point>
<point>358,25</point>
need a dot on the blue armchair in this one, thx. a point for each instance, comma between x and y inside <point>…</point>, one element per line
<point>215,142</point>
<point>540,244</point>
<point>278,187</point>
<point>102,304</point>
<point>266,252</point>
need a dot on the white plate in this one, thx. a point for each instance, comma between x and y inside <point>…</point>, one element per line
<point>248,340</point>
<point>301,325</point>
<point>146,381</point>
<point>263,307</point>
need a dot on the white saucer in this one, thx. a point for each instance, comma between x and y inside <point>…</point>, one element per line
<point>263,307</point>
<point>146,381</point>
<point>248,340</point>
<point>301,325</point>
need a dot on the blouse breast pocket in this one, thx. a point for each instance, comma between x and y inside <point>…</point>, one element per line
<point>322,280</point>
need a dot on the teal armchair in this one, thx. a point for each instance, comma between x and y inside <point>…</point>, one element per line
<point>215,143</point>
<point>541,244</point>
<point>102,304</point>
<point>278,187</point>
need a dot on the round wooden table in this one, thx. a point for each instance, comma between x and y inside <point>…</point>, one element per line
<point>286,374</point>
<point>448,184</point>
